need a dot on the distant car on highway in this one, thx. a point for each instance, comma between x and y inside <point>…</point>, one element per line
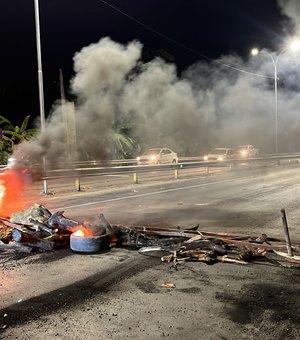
<point>246,151</point>
<point>157,156</point>
<point>220,154</point>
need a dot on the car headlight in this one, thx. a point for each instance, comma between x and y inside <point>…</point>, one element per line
<point>138,158</point>
<point>243,152</point>
<point>205,158</point>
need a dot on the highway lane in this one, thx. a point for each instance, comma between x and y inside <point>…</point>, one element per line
<point>111,181</point>
<point>239,201</point>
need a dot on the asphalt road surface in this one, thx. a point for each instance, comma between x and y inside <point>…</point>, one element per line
<point>118,294</point>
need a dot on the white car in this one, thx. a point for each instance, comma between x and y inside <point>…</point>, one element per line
<point>220,154</point>
<point>246,151</point>
<point>158,156</point>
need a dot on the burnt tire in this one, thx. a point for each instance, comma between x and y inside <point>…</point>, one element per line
<point>89,244</point>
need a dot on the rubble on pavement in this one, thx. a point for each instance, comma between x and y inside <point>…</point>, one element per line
<point>37,229</point>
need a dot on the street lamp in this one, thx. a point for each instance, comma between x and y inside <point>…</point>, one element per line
<point>294,46</point>
<point>40,79</point>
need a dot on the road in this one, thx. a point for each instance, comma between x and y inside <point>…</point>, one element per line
<point>117,295</point>
<point>238,200</point>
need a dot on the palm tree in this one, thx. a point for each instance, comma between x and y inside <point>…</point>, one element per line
<point>122,144</point>
<point>13,135</point>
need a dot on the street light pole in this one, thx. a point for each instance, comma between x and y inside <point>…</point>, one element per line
<point>40,79</point>
<point>294,45</point>
<point>276,102</point>
<point>275,63</point>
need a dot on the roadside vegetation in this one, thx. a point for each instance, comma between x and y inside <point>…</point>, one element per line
<point>12,135</point>
<point>121,145</point>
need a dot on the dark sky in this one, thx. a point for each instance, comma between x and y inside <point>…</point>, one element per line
<point>209,27</point>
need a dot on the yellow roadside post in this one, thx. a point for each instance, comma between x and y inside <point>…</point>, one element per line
<point>77,184</point>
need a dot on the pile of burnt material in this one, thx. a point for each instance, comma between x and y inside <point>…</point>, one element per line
<point>176,246</point>
<point>36,228</point>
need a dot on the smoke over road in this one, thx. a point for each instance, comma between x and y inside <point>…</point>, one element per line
<point>208,105</point>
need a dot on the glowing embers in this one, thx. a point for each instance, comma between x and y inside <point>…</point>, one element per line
<point>81,231</point>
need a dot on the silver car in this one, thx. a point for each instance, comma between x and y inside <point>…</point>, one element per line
<point>246,151</point>
<point>220,154</point>
<point>157,156</point>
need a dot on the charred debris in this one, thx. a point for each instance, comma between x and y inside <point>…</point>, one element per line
<point>36,229</point>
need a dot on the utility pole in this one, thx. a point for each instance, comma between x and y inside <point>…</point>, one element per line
<point>64,108</point>
<point>40,80</point>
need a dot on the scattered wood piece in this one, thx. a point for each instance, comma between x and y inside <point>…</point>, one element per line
<point>291,258</point>
<point>253,245</point>
<point>168,285</point>
<point>225,258</point>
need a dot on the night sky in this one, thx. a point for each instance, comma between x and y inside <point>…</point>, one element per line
<point>185,30</point>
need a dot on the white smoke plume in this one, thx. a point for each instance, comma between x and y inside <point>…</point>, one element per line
<point>291,8</point>
<point>209,105</point>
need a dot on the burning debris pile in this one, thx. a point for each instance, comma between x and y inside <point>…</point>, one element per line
<point>37,229</point>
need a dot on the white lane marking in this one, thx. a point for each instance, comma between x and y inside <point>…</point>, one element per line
<point>203,204</point>
<point>123,176</point>
<point>149,194</point>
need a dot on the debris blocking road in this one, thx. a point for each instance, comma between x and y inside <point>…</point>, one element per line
<point>37,229</point>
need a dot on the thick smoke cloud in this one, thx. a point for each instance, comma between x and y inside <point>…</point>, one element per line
<point>291,8</point>
<point>101,76</point>
<point>209,105</point>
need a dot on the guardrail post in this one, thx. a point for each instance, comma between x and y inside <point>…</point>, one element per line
<point>135,178</point>
<point>77,183</point>
<point>176,175</point>
<point>45,186</point>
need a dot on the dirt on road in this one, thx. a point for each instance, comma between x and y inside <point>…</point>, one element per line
<point>118,295</point>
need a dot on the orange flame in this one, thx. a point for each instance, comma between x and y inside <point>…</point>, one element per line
<point>12,186</point>
<point>81,231</point>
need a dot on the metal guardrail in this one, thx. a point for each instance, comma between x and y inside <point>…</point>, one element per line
<point>106,169</point>
<point>96,168</point>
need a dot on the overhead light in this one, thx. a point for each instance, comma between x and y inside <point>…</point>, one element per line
<point>295,45</point>
<point>254,51</point>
